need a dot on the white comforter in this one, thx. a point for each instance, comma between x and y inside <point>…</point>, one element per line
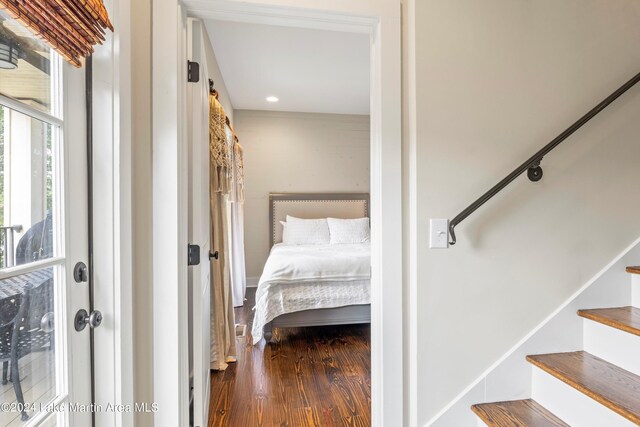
<point>308,277</point>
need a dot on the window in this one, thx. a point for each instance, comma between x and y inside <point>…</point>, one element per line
<point>29,141</point>
<point>26,188</point>
<point>32,262</point>
<point>25,67</point>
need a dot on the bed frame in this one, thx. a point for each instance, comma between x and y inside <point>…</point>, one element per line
<point>316,205</point>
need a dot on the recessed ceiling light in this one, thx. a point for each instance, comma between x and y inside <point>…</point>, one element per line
<point>272,99</point>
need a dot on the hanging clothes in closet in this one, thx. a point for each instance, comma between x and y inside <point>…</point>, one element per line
<point>223,343</point>
<point>236,216</point>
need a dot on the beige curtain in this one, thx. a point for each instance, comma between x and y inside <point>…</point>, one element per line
<point>223,343</point>
<point>236,217</point>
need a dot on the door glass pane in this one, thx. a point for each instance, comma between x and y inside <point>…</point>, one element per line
<point>28,310</point>
<point>28,158</point>
<point>25,66</point>
<point>54,420</point>
<point>33,365</point>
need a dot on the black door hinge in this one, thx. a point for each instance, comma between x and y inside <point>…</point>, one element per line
<point>193,255</point>
<point>193,72</point>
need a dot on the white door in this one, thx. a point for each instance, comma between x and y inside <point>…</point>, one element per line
<point>199,226</point>
<point>46,363</point>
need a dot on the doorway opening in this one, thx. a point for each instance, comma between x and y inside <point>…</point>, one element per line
<point>381,21</point>
<point>291,230</point>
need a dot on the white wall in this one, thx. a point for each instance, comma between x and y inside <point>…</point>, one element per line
<point>216,76</point>
<point>296,152</point>
<point>496,80</point>
<point>142,205</point>
<point>142,199</point>
<point>511,379</point>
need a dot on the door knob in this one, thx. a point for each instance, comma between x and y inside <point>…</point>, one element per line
<point>83,319</point>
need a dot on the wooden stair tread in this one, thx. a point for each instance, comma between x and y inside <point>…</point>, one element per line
<point>608,384</point>
<point>633,270</point>
<point>517,413</point>
<point>624,318</point>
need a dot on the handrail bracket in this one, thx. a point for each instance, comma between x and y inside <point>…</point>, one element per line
<point>535,172</point>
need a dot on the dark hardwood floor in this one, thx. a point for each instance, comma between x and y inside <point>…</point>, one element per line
<point>318,376</point>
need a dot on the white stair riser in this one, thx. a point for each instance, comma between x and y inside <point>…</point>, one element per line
<point>635,290</point>
<point>613,345</point>
<point>481,423</point>
<point>570,405</point>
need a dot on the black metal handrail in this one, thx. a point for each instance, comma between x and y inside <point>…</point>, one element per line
<point>532,166</point>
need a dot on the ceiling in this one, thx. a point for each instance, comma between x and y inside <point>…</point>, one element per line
<point>308,70</point>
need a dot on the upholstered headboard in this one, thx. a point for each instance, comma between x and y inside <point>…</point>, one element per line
<point>314,205</point>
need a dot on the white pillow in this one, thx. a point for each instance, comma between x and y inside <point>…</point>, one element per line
<point>345,231</point>
<point>299,231</point>
<point>284,229</point>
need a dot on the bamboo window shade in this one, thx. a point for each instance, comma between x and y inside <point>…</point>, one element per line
<point>71,27</point>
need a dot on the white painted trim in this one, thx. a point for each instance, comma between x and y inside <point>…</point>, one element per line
<point>170,331</point>
<point>387,325</point>
<point>113,264</point>
<point>513,349</point>
<point>31,267</point>
<point>286,17</point>
<point>252,282</point>
<point>411,235</point>
<point>199,225</point>
<point>123,216</point>
<point>381,19</point>
<point>75,244</point>
<point>30,111</point>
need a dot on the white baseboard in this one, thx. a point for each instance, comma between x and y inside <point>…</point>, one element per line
<point>252,282</point>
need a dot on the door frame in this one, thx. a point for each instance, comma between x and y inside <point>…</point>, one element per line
<point>382,20</point>
<point>170,214</point>
<point>112,222</point>
<point>199,227</point>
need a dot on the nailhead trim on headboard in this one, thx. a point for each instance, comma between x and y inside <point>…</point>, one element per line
<point>308,198</point>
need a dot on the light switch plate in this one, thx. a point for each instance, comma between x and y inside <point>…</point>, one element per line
<point>439,234</point>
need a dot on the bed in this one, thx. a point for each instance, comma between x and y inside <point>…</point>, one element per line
<point>313,285</point>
